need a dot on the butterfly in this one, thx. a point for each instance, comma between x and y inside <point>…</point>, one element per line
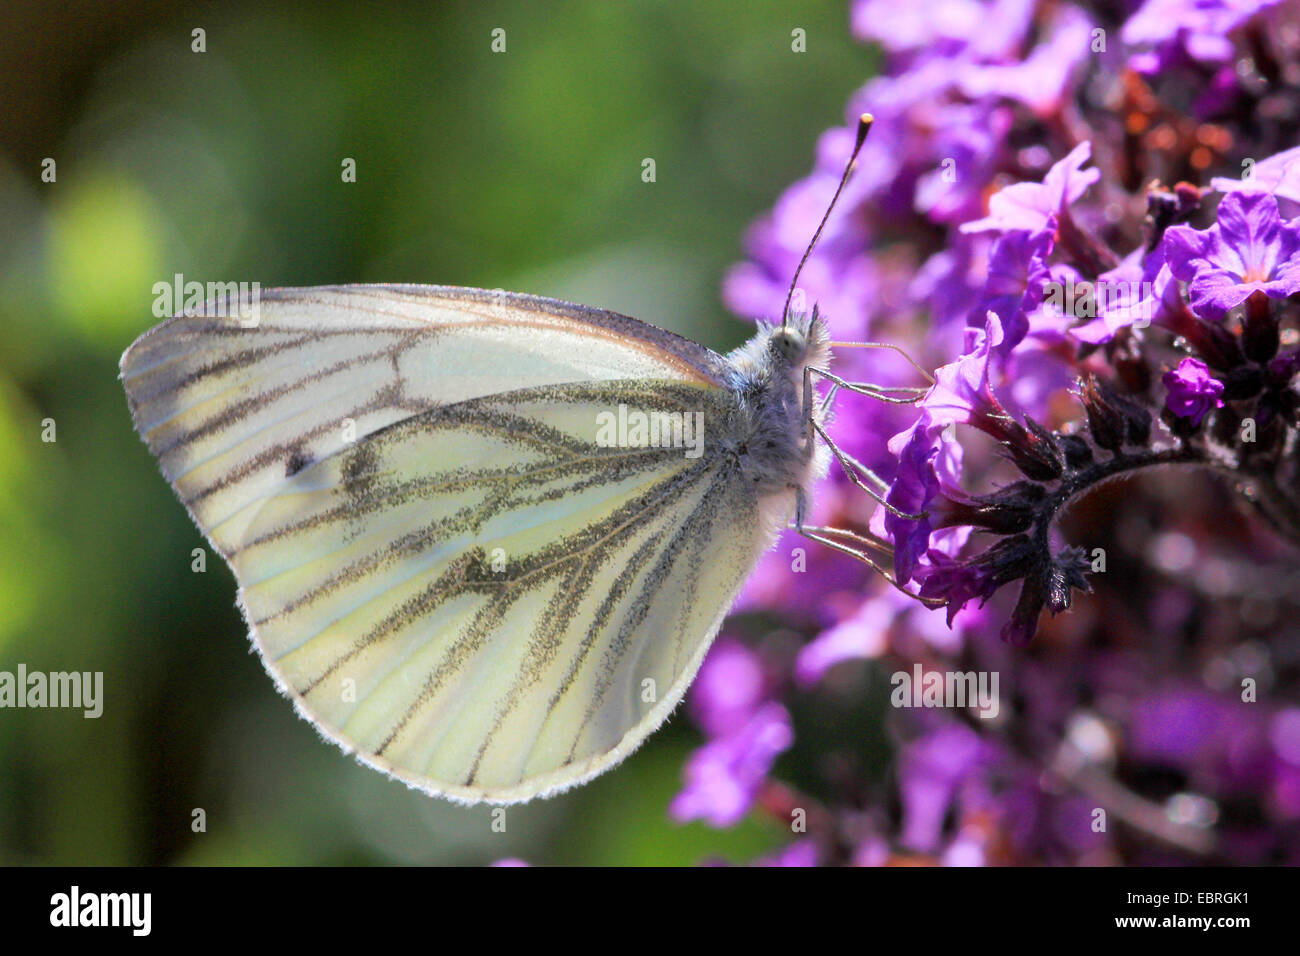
<point>483,540</point>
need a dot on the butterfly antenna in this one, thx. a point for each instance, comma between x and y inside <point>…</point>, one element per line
<point>864,127</point>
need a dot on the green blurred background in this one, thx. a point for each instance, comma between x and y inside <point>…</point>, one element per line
<point>519,170</point>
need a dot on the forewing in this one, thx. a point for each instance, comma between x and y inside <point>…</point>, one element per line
<point>230,411</point>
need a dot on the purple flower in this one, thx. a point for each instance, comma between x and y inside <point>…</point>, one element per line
<point>1192,390</point>
<point>1017,278</point>
<point>873,851</point>
<point>971,143</point>
<point>1035,374</point>
<point>922,622</point>
<point>968,848</point>
<point>903,26</point>
<point>849,285</point>
<point>961,394</point>
<point>929,464</point>
<point>1284,735</point>
<point>863,635</point>
<point>1279,174</point>
<point>945,284</point>
<point>1250,249</point>
<point>1029,206</point>
<point>914,487</point>
<point>916,113</point>
<point>724,776</point>
<point>730,686</point>
<point>932,773</point>
<point>960,582</point>
<point>770,586</point>
<point>969,92</point>
<point>1197,28</point>
<point>1136,293</point>
<point>1219,95</point>
<point>799,853</point>
<point>1192,729</point>
<point>1042,81</point>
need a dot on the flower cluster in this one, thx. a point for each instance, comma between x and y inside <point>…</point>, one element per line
<point>1083,218</point>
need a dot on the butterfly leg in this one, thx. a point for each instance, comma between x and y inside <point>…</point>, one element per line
<point>852,544</point>
<point>828,399</point>
<point>894,394</point>
<point>906,394</point>
<point>857,472</point>
<point>886,345</point>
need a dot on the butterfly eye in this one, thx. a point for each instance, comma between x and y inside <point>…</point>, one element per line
<point>788,343</point>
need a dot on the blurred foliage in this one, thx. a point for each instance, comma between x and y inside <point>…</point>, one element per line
<point>519,170</point>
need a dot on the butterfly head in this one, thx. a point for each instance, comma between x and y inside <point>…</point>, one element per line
<point>800,341</point>
<point>788,343</point>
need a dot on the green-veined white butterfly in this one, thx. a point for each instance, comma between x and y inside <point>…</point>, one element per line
<point>439,559</point>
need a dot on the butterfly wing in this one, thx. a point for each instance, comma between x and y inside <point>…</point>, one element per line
<point>438,560</point>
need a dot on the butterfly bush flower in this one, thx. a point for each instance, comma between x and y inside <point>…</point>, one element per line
<point>1277,176</point>
<point>934,771</point>
<point>1248,250</point>
<point>992,28</point>
<point>1042,82</point>
<point>730,687</point>
<point>724,776</point>
<point>1140,291</point>
<point>1192,390</point>
<point>928,459</point>
<point>730,701</point>
<point>1081,220</point>
<point>1196,29</point>
<point>1017,276</point>
<point>1028,207</point>
<point>858,637</point>
<point>799,853</point>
